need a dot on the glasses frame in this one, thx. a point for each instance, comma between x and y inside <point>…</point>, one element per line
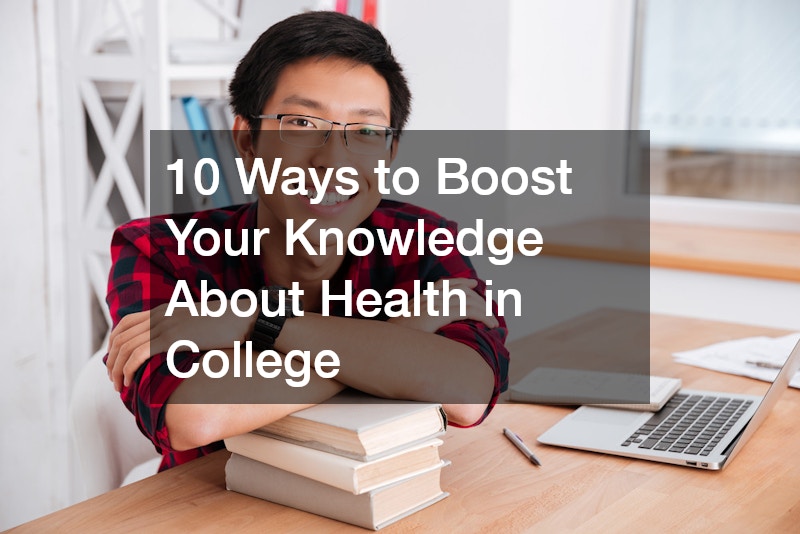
<point>392,132</point>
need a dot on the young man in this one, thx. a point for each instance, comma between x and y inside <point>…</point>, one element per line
<point>321,91</point>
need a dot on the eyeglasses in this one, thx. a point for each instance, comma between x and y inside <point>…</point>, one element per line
<point>312,132</point>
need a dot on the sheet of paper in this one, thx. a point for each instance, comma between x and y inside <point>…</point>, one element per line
<point>738,357</point>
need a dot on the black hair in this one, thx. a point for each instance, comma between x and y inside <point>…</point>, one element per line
<point>319,34</point>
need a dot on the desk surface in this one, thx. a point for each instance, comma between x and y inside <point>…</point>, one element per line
<point>495,489</point>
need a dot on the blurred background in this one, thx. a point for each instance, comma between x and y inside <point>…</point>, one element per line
<point>717,84</point>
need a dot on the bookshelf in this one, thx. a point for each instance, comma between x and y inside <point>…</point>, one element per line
<point>140,75</point>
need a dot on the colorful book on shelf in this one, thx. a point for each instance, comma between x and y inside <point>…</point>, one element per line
<point>370,14</point>
<point>185,149</point>
<point>338,471</point>
<point>358,426</point>
<point>355,8</point>
<point>374,509</point>
<point>216,111</point>
<point>204,144</point>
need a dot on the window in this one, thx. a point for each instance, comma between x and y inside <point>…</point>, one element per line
<point>718,86</point>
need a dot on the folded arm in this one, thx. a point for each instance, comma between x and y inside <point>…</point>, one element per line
<point>197,414</point>
<point>403,358</point>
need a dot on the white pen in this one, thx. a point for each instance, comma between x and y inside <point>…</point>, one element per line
<point>518,443</point>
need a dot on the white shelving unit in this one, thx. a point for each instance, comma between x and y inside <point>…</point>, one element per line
<point>142,72</point>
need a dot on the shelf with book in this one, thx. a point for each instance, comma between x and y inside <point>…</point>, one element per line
<point>130,50</point>
<point>111,48</point>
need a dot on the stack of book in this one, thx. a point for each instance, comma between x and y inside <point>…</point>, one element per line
<point>354,459</point>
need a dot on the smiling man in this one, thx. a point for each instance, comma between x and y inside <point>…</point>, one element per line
<point>323,92</point>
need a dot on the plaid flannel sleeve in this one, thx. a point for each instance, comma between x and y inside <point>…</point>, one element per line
<point>143,277</point>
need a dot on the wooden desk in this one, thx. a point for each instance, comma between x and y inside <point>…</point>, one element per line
<point>495,489</point>
<point>733,251</point>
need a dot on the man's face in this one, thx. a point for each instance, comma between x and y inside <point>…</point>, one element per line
<point>337,90</point>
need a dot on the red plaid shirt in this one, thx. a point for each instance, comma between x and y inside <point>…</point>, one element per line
<point>146,267</point>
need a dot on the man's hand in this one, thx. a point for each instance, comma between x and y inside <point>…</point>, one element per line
<point>475,309</point>
<point>139,336</point>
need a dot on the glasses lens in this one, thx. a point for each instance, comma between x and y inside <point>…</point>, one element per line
<point>301,130</point>
<point>368,138</point>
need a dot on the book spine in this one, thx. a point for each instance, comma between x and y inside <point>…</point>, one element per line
<point>355,8</point>
<point>320,466</point>
<point>324,447</point>
<point>204,141</point>
<point>226,150</point>
<point>370,12</point>
<point>185,149</point>
<point>256,479</point>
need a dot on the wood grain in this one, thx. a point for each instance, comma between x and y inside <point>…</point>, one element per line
<point>495,489</point>
<point>753,253</point>
<point>757,253</point>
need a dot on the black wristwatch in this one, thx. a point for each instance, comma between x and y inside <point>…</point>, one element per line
<point>267,329</point>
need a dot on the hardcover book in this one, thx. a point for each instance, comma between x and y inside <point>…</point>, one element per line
<point>338,471</point>
<point>359,426</point>
<point>374,509</point>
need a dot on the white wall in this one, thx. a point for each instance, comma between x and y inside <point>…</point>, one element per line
<point>33,442</point>
<point>736,299</point>
<point>569,64</point>
<point>455,55</point>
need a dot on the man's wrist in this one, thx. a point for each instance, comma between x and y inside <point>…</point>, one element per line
<point>267,328</point>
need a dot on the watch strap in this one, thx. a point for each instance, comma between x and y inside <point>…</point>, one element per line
<point>267,329</point>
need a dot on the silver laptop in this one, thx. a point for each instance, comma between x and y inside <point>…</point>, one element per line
<point>702,429</point>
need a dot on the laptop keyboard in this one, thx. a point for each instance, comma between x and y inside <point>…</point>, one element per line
<point>691,424</point>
